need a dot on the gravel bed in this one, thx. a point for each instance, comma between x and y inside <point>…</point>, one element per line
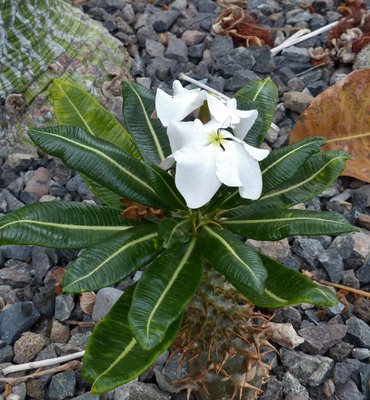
<point>38,322</point>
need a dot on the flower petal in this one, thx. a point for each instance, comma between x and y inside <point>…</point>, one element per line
<point>222,113</point>
<point>246,122</point>
<point>195,175</point>
<point>181,134</point>
<point>236,167</point>
<point>176,108</point>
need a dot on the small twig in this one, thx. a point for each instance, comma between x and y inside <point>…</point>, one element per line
<point>300,38</point>
<point>83,324</point>
<point>346,288</point>
<point>20,379</point>
<point>202,85</point>
<point>42,363</point>
<point>311,69</point>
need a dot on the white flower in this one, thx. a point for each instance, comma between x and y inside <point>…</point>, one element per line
<point>175,108</point>
<point>207,156</point>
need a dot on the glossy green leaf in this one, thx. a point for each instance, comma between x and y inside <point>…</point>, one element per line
<point>61,224</point>
<point>261,95</point>
<point>283,163</point>
<point>74,106</point>
<point>113,355</point>
<point>101,161</point>
<point>318,172</point>
<point>149,134</point>
<point>285,287</point>
<point>232,258</point>
<point>174,231</point>
<point>112,260</point>
<point>165,188</point>
<point>275,224</point>
<point>163,291</point>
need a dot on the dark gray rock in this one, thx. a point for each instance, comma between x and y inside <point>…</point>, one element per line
<point>309,370</point>
<point>138,66</point>
<point>16,252</point>
<point>44,300</point>
<point>298,54</point>
<point>8,202</point>
<point>360,353</point>
<point>340,351</point>
<point>319,339</point>
<point>16,274</point>
<point>16,319</point>
<point>310,77</point>
<point>163,20</point>
<point>359,332</point>
<point>264,61</point>
<point>40,262</point>
<point>349,279</point>
<point>73,183</point>
<point>221,46</point>
<point>342,371</point>
<point>317,87</point>
<point>79,340</point>
<point>64,304</point>
<point>291,386</point>
<point>154,48</point>
<point>6,352</point>
<point>309,249</point>
<point>105,299</point>
<point>176,50</point>
<point>273,390</point>
<point>362,308</point>
<point>332,262</point>
<point>207,6</point>
<point>87,396</point>
<point>288,314</point>
<point>58,172</point>
<point>62,385</point>
<point>239,79</point>
<point>348,390</point>
<point>196,51</point>
<point>298,15</point>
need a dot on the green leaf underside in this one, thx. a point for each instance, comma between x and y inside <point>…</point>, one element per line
<point>99,160</point>
<point>264,95</point>
<point>232,258</point>
<point>283,163</point>
<point>319,172</point>
<point>277,224</point>
<point>62,225</point>
<point>163,291</point>
<point>74,106</point>
<point>149,134</point>
<point>112,260</point>
<point>113,355</point>
<point>285,287</point>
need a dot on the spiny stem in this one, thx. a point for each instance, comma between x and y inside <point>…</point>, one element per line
<point>42,363</point>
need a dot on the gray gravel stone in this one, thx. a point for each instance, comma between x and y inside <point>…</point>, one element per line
<point>64,304</point>
<point>291,386</point>
<point>309,370</point>
<point>333,264</point>
<point>342,371</point>
<point>349,279</point>
<point>273,390</point>
<point>16,274</point>
<point>16,319</point>
<point>264,61</point>
<point>104,301</point>
<point>6,352</point>
<point>363,274</point>
<point>176,50</point>
<point>360,353</point>
<point>309,249</point>
<point>87,396</point>
<point>358,331</point>
<point>221,46</point>
<point>27,346</point>
<point>348,390</point>
<point>40,262</point>
<point>340,351</point>
<point>62,385</point>
<point>298,54</point>
<point>163,20</point>
<point>17,252</point>
<point>297,101</point>
<point>319,339</point>
<point>239,79</point>
<point>296,16</point>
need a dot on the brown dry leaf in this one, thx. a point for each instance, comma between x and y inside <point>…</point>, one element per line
<point>87,301</point>
<point>341,114</point>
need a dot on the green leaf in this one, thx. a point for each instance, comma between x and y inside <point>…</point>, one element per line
<point>318,172</point>
<point>112,260</point>
<point>101,161</point>
<point>285,287</point>
<point>113,355</point>
<point>149,134</point>
<point>233,259</point>
<point>282,164</point>
<point>165,188</point>
<point>74,106</point>
<point>62,225</point>
<point>163,291</point>
<point>174,231</point>
<point>277,224</point>
<point>261,95</point>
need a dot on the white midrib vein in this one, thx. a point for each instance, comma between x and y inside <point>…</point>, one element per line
<point>127,349</point>
<point>113,255</point>
<point>99,153</point>
<point>231,250</point>
<point>169,285</point>
<point>259,221</point>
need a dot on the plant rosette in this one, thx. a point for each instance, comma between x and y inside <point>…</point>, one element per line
<point>178,192</point>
